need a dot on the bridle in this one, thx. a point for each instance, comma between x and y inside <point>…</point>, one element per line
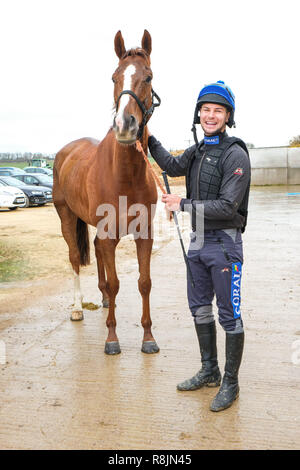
<point>147,113</point>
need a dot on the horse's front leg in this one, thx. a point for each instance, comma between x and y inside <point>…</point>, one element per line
<point>106,249</point>
<point>144,248</point>
<point>101,275</point>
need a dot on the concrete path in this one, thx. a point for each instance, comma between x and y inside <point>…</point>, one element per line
<point>58,390</point>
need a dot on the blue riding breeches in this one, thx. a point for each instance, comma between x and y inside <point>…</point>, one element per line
<point>216,268</point>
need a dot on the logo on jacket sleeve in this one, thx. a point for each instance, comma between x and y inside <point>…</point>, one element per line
<point>238,171</point>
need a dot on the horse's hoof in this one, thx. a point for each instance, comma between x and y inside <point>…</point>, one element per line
<point>150,347</point>
<point>76,315</point>
<point>112,348</point>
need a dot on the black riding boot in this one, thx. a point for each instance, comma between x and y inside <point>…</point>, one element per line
<point>229,389</point>
<point>209,375</point>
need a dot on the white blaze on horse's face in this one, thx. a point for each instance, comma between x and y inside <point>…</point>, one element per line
<point>127,85</point>
<point>129,72</point>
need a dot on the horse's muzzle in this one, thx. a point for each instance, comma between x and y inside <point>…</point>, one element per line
<point>126,129</point>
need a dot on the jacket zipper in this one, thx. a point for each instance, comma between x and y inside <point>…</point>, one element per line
<point>198,175</point>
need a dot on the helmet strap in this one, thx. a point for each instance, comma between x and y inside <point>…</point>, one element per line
<point>196,121</point>
<point>194,131</point>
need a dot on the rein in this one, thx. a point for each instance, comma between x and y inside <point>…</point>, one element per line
<point>140,149</point>
<point>147,113</point>
<point>170,214</point>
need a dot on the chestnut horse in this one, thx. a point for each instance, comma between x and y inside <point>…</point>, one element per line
<point>89,178</point>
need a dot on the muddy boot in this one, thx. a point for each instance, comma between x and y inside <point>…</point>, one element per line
<point>209,375</point>
<point>229,389</point>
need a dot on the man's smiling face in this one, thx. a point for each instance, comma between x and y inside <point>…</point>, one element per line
<point>213,118</point>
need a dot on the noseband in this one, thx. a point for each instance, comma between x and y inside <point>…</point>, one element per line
<point>147,113</point>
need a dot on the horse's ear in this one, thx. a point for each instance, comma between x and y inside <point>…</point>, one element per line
<point>147,42</point>
<point>119,45</point>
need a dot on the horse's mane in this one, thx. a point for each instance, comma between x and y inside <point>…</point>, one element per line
<point>138,51</point>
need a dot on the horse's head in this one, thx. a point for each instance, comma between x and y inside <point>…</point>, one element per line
<point>132,89</point>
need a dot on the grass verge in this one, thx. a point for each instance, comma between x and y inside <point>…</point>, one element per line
<point>13,264</point>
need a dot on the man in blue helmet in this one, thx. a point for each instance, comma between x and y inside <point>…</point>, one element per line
<point>217,172</point>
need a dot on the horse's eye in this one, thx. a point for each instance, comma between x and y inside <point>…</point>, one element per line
<point>113,79</point>
<point>148,79</point>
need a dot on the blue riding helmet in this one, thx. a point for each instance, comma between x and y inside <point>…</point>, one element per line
<point>218,93</point>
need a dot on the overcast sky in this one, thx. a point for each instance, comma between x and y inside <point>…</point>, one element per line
<point>57,59</point>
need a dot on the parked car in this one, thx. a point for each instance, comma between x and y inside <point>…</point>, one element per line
<point>36,169</point>
<point>11,197</point>
<point>33,195</point>
<point>13,168</point>
<point>37,179</point>
<point>11,171</point>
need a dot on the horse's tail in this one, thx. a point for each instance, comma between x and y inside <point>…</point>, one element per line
<point>83,243</point>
